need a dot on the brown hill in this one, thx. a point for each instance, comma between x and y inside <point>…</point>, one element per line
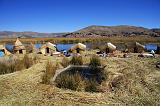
<point>27,34</point>
<point>122,30</point>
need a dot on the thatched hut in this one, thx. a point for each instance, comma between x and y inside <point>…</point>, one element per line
<point>135,47</point>
<point>110,48</point>
<point>19,48</point>
<point>121,47</point>
<point>48,48</point>
<point>78,48</point>
<point>4,50</point>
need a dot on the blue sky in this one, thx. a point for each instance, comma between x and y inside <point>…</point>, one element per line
<point>71,15</point>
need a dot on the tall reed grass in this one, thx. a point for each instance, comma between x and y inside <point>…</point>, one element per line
<point>49,72</point>
<point>76,60</point>
<point>12,65</point>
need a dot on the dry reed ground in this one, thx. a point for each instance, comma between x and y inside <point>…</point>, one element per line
<point>25,88</point>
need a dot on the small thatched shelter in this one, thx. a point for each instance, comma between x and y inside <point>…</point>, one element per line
<point>121,47</point>
<point>139,48</point>
<point>4,50</point>
<point>48,48</point>
<point>135,47</point>
<point>78,48</point>
<point>110,48</point>
<point>19,48</point>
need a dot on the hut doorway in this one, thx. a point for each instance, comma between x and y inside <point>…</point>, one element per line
<point>78,50</point>
<point>47,50</point>
<point>20,52</point>
<point>107,50</point>
<point>135,50</point>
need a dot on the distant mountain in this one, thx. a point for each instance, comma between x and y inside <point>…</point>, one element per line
<point>27,34</point>
<point>90,31</point>
<point>122,30</point>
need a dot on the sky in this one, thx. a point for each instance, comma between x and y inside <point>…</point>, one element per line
<point>72,15</point>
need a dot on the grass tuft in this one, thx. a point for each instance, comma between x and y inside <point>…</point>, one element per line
<point>76,60</point>
<point>95,61</point>
<point>12,65</point>
<point>73,82</point>
<point>65,62</point>
<point>49,72</point>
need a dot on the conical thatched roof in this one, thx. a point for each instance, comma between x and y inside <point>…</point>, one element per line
<point>18,42</point>
<point>18,45</point>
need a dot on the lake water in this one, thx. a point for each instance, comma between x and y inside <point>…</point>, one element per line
<point>150,47</point>
<point>62,47</point>
<point>38,45</point>
<point>1,54</point>
<point>9,47</point>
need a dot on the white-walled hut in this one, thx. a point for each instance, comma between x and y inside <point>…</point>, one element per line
<point>78,48</point>
<point>48,48</point>
<point>19,48</point>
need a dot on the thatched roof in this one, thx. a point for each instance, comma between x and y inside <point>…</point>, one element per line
<point>78,46</point>
<point>6,52</point>
<point>111,46</point>
<point>18,45</point>
<point>1,47</point>
<point>49,45</point>
<point>140,45</point>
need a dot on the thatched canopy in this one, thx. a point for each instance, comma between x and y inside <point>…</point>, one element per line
<point>78,47</point>
<point>2,48</point>
<point>18,45</point>
<point>121,47</point>
<point>135,47</point>
<point>140,45</point>
<point>49,45</point>
<point>111,46</point>
<point>48,48</point>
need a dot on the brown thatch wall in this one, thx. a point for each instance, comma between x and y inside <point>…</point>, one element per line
<point>78,48</point>
<point>133,48</point>
<point>19,48</point>
<point>48,48</point>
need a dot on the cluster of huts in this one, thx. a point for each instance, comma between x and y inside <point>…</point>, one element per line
<point>51,49</point>
<point>46,49</point>
<point>130,48</point>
